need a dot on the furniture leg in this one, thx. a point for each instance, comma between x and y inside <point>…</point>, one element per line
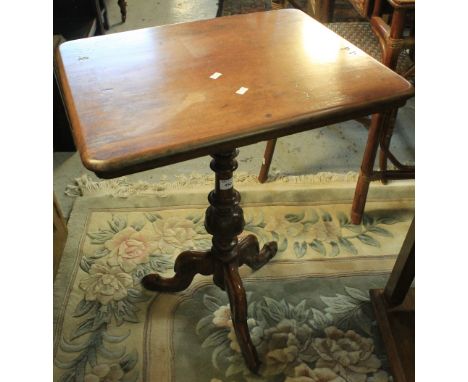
<point>250,254</point>
<point>395,313</point>
<point>324,11</point>
<point>267,158</point>
<point>123,9</point>
<point>224,219</point>
<point>186,266</point>
<point>393,43</point>
<point>105,15</point>
<point>238,303</point>
<point>385,139</point>
<point>402,275</point>
<point>99,21</point>
<point>370,152</point>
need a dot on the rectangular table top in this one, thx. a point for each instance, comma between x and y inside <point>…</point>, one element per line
<point>146,98</point>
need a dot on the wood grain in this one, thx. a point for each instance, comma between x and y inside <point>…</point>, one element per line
<point>144,99</point>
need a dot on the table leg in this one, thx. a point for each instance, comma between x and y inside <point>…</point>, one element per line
<point>367,166</point>
<point>224,219</point>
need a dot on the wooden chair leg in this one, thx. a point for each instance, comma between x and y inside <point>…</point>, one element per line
<point>385,138</point>
<point>324,11</point>
<point>267,158</point>
<point>123,9</point>
<point>105,15</point>
<point>99,20</point>
<point>367,167</point>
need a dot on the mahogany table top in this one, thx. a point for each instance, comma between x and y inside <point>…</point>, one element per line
<point>144,98</point>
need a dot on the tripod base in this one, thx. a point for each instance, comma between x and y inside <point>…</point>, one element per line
<point>226,276</point>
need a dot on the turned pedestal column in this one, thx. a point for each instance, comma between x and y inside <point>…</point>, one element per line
<point>224,219</point>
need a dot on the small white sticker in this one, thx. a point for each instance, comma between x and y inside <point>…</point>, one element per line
<point>263,161</point>
<point>216,75</point>
<point>242,90</point>
<point>225,184</point>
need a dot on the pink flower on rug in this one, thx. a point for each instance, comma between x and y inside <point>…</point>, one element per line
<point>280,348</point>
<point>104,373</point>
<point>106,284</point>
<point>130,247</point>
<point>304,373</point>
<point>171,233</point>
<point>347,354</point>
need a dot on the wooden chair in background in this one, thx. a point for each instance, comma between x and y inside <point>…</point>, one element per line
<point>392,22</point>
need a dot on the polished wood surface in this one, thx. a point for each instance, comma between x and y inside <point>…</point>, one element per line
<point>224,219</point>
<point>144,98</point>
<point>394,309</point>
<point>396,327</point>
<point>403,3</point>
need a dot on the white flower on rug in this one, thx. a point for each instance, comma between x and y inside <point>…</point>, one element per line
<point>222,317</point>
<point>380,376</point>
<point>325,231</point>
<point>348,354</point>
<point>130,247</point>
<point>104,373</point>
<point>172,232</point>
<point>304,373</point>
<point>280,225</point>
<point>105,283</point>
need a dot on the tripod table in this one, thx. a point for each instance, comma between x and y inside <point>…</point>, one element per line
<point>156,96</point>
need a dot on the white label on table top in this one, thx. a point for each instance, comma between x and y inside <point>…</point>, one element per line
<point>216,75</point>
<point>225,184</point>
<point>242,90</point>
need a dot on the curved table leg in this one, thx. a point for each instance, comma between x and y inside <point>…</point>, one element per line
<point>238,302</point>
<point>186,266</point>
<point>250,254</point>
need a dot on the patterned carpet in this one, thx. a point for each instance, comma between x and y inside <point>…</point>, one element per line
<point>309,311</point>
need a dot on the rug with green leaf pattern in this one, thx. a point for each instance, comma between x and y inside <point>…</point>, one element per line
<point>310,316</point>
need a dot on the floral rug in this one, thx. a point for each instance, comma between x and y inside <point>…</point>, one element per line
<point>310,315</point>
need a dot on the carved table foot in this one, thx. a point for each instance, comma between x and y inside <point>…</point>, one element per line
<point>224,219</point>
<point>250,254</point>
<point>186,266</point>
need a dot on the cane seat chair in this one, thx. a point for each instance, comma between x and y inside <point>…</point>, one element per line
<point>384,29</point>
